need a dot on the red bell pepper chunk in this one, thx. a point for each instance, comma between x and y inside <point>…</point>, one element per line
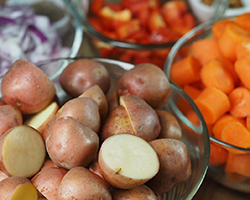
<point>96,6</point>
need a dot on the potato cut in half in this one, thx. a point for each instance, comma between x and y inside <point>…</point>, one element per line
<point>40,119</point>
<point>22,151</point>
<point>127,161</point>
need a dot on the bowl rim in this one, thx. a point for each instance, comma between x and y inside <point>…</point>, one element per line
<point>220,8</point>
<point>187,39</point>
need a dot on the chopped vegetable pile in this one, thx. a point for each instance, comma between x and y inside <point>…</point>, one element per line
<point>25,35</point>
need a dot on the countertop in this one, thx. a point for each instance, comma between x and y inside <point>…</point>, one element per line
<point>211,190</point>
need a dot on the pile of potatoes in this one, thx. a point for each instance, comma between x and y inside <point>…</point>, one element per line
<point>100,144</point>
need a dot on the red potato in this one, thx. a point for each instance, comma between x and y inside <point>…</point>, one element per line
<point>10,116</point>
<point>40,119</point>
<point>117,122</point>
<point>70,143</point>
<point>81,183</point>
<point>96,93</point>
<point>22,151</point>
<point>143,117</point>
<point>127,161</point>
<point>175,164</point>
<point>140,192</point>
<point>84,109</point>
<point>48,163</point>
<point>47,182</point>
<point>27,87</point>
<point>136,82</point>
<point>170,127</point>
<point>17,188</point>
<point>82,74</point>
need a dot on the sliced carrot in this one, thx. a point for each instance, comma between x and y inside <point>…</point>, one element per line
<point>222,122</point>
<point>242,68</point>
<point>240,102</point>
<point>218,155</point>
<point>191,91</point>
<point>205,50</point>
<point>231,36</point>
<point>213,103</point>
<point>219,27</point>
<point>185,71</point>
<point>242,49</point>
<point>248,123</point>
<point>238,163</point>
<point>235,133</point>
<point>243,20</point>
<point>214,74</point>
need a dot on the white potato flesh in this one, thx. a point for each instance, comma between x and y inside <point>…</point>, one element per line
<point>130,156</point>
<point>23,151</point>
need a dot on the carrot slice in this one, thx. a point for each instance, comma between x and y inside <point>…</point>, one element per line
<point>242,68</point>
<point>242,49</point>
<point>215,74</point>
<point>219,27</point>
<point>185,71</point>
<point>205,50</point>
<point>191,91</point>
<point>213,103</point>
<point>240,102</point>
<point>218,155</point>
<point>238,163</point>
<point>243,20</point>
<point>235,133</point>
<point>220,124</point>
<point>231,36</point>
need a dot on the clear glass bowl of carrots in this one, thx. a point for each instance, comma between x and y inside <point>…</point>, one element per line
<point>212,65</point>
<point>136,31</point>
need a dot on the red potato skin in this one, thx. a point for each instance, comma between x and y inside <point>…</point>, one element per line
<point>48,163</point>
<point>175,164</point>
<point>27,87</point>
<point>10,116</point>
<point>47,182</point>
<point>136,82</point>
<point>3,176</point>
<point>112,99</point>
<point>170,127</point>
<point>70,143</point>
<point>83,74</point>
<point>81,183</point>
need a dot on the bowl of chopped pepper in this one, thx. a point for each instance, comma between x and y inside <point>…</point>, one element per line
<point>135,31</point>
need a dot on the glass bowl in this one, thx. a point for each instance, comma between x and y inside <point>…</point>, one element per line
<point>54,22</point>
<point>195,136</point>
<point>138,47</point>
<point>232,178</point>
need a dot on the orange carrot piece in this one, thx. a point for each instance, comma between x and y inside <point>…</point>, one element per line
<point>235,133</point>
<point>222,122</point>
<point>238,163</point>
<point>240,102</point>
<point>205,50</point>
<point>242,49</point>
<point>242,68</point>
<point>213,103</point>
<point>232,35</point>
<point>214,74</point>
<point>185,71</point>
<point>248,123</point>
<point>218,155</point>
<point>243,20</point>
<point>191,91</point>
<point>219,27</point>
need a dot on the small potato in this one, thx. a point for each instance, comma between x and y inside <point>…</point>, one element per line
<point>141,192</point>
<point>117,122</point>
<point>27,87</point>
<point>70,143</point>
<point>48,163</point>
<point>17,188</point>
<point>175,164</point>
<point>96,93</point>
<point>47,182</point>
<point>84,109</point>
<point>83,74</point>
<point>170,127</point>
<point>143,117</point>
<point>10,116</point>
<point>80,183</point>
<point>146,81</point>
